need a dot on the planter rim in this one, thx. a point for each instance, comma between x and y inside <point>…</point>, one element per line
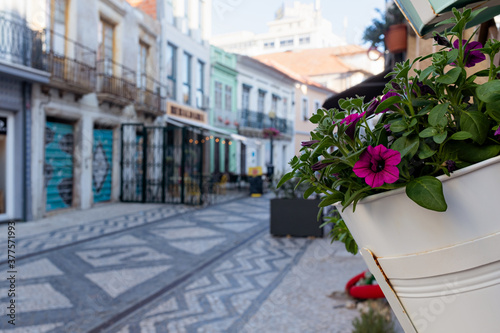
<point>442,178</point>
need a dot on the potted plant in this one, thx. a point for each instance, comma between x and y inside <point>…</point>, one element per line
<point>389,30</point>
<point>291,214</point>
<point>415,175</point>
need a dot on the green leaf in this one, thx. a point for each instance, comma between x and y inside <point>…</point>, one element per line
<point>425,73</point>
<point>462,135</point>
<point>406,145</point>
<point>427,191</point>
<point>450,77</point>
<point>452,55</point>
<point>315,118</point>
<point>473,154</point>
<point>331,199</point>
<point>309,191</point>
<point>425,151</point>
<point>476,123</point>
<point>484,72</point>
<point>489,91</point>
<point>439,138</point>
<point>493,110</point>
<point>437,116</point>
<point>388,103</point>
<point>428,132</point>
<point>286,177</point>
<point>398,126</point>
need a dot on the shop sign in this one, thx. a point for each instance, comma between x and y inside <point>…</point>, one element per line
<point>3,125</point>
<point>185,112</point>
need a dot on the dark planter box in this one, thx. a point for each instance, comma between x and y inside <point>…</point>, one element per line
<point>295,217</point>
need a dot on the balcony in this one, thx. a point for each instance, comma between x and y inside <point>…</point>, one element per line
<point>115,83</point>
<point>72,66</point>
<point>226,119</point>
<point>151,96</point>
<point>252,124</point>
<point>21,49</point>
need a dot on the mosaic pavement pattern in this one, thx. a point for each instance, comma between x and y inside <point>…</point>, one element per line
<point>204,270</point>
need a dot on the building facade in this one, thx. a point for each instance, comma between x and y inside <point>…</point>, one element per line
<point>223,110</point>
<point>21,66</point>
<point>265,99</point>
<point>294,28</point>
<point>100,61</point>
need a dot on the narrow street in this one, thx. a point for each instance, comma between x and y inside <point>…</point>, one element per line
<point>176,269</point>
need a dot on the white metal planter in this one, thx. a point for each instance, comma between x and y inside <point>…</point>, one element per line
<point>439,271</point>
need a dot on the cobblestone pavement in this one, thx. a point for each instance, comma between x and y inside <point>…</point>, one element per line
<point>178,269</point>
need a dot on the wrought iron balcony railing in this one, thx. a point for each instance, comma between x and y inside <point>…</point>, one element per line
<point>19,44</point>
<point>72,65</point>
<point>115,83</point>
<point>226,119</point>
<point>258,121</point>
<point>151,95</point>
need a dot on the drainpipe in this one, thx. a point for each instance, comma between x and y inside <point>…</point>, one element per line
<point>25,148</point>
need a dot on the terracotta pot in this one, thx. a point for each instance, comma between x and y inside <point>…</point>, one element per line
<point>395,38</point>
<point>440,272</point>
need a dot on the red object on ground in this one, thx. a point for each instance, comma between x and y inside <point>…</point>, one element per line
<point>364,291</point>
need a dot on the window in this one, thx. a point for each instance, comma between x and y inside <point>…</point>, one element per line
<point>171,70</point>
<point>59,24</point>
<point>261,101</point>
<point>142,65</point>
<point>200,80</point>
<point>228,98</point>
<point>186,75</point>
<point>286,42</point>
<point>245,98</point>
<point>274,103</point>
<point>305,109</point>
<point>304,40</point>
<point>105,51</point>
<point>317,105</point>
<point>217,95</point>
<point>269,45</point>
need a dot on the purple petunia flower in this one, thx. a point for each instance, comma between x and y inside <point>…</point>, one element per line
<point>472,56</point>
<point>378,166</point>
<point>308,143</point>
<point>387,127</point>
<point>497,132</point>
<point>372,107</point>
<point>451,165</point>
<point>352,118</point>
<point>320,165</point>
<point>425,89</point>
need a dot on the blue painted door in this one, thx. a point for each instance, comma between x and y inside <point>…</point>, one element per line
<point>58,168</point>
<point>102,163</point>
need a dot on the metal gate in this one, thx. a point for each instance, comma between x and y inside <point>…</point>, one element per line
<point>58,167</point>
<point>161,164</point>
<point>102,164</point>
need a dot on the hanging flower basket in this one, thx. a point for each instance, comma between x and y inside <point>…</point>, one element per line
<point>270,132</point>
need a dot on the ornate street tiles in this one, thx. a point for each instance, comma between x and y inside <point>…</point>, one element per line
<point>91,283</point>
<point>116,282</point>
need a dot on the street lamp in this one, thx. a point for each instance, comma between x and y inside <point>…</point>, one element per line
<point>270,168</point>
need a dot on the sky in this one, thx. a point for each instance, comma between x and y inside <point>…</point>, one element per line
<point>252,15</point>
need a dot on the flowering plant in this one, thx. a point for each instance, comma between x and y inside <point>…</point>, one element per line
<point>270,132</point>
<point>429,122</point>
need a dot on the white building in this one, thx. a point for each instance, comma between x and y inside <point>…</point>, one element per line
<point>265,98</point>
<point>294,28</point>
<point>100,58</point>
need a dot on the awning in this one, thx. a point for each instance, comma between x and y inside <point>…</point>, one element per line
<point>370,88</point>
<point>423,15</point>
<point>181,122</point>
